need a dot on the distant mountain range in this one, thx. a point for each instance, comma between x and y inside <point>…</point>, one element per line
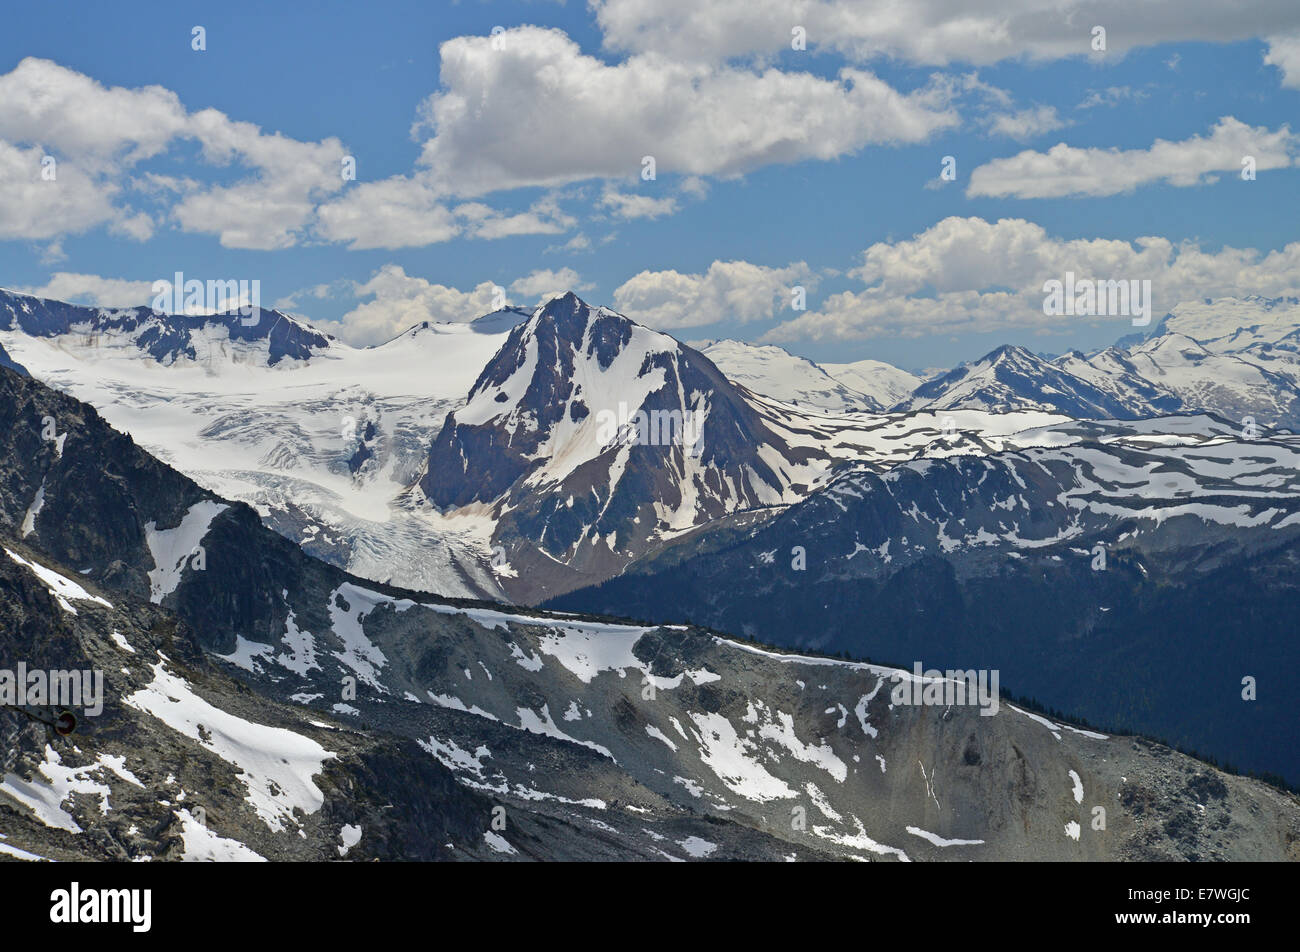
<point>468,458</point>
<point>334,449</point>
<point>1117,534</point>
<point>165,338</point>
<point>1231,357</point>
<point>1136,573</point>
<point>261,704</point>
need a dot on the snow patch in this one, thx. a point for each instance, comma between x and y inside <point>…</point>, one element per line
<point>275,764</point>
<point>171,548</point>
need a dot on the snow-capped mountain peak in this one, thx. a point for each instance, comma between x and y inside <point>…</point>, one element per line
<point>590,436</point>
<point>774,372</point>
<point>1011,378</point>
<point>1230,325</point>
<point>884,384</point>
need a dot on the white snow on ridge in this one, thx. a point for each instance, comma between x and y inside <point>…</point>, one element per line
<point>734,760</point>
<point>202,845</point>
<point>813,660</point>
<point>44,802</point>
<point>587,650</point>
<point>697,848</point>
<point>172,548</point>
<point>1054,728</point>
<point>543,723</point>
<point>45,795</point>
<point>350,835</point>
<point>778,727</point>
<point>456,704</point>
<point>17,853</point>
<point>248,654</point>
<point>659,735</point>
<point>34,510</point>
<point>455,758</point>
<point>774,372</point>
<point>275,764</point>
<point>64,590</point>
<point>499,843</point>
<point>303,648</point>
<point>359,653</point>
<point>939,840</point>
<point>859,840</point>
<point>887,384</point>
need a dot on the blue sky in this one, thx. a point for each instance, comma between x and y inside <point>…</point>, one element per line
<point>148,186</point>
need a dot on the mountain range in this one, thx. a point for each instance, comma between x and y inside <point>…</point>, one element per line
<point>570,457</point>
<point>360,454</point>
<point>262,704</point>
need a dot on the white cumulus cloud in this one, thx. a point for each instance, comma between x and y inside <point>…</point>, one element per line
<point>968,275</point>
<point>933,32</point>
<point>398,301</point>
<point>728,290</point>
<point>94,289</point>
<point>1069,170</point>
<point>628,205</point>
<point>539,112</point>
<point>1284,53</point>
<point>545,284</point>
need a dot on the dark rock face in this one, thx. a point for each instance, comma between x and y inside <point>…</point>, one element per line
<point>163,337</point>
<point>100,496</point>
<point>559,379</point>
<point>445,730</point>
<point>994,563</point>
<point>409,806</point>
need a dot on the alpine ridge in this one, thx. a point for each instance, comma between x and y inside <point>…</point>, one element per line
<point>588,438</point>
<point>261,704</point>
